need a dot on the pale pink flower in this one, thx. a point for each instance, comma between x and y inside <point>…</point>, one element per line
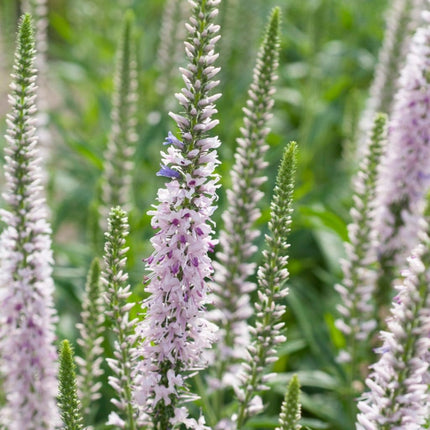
<point>398,395</point>
<point>405,171</point>
<point>175,333</point>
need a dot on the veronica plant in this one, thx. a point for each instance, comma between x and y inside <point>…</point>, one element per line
<point>27,316</point>
<point>402,20</point>
<point>272,274</point>
<point>121,146</point>
<point>90,340</point>
<point>68,401</point>
<point>398,396</point>
<point>39,11</point>
<point>114,278</point>
<point>290,411</point>
<point>405,170</point>
<point>169,49</point>
<point>231,286</point>
<point>175,334</point>
<point>357,307</point>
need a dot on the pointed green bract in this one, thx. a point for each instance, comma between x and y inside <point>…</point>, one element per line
<point>68,401</point>
<point>115,280</point>
<point>290,410</point>
<point>269,309</point>
<point>91,338</point>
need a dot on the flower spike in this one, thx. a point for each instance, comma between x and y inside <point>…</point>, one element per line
<point>290,411</point>
<point>123,137</point>
<point>357,309</point>
<point>272,274</point>
<point>91,337</point>
<point>27,315</point>
<point>405,170</point>
<point>231,286</point>
<point>114,278</point>
<point>68,401</point>
<point>175,334</point>
<point>402,21</point>
<point>398,396</point>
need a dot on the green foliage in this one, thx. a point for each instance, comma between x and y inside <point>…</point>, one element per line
<point>328,52</point>
<point>68,401</point>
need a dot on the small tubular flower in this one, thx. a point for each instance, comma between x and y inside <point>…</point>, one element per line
<point>27,316</point>
<point>175,334</point>
<point>38,9</point>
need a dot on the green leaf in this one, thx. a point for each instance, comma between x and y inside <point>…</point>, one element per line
<point>307,378</point>
<point>320,218</point>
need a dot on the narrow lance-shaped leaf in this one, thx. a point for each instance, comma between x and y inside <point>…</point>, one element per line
<point>272,274</point>
<point>68,402</point>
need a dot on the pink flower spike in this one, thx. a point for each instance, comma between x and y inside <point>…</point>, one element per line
<point>405,171</point>
<point>27,315</point>
<point>173,338</point>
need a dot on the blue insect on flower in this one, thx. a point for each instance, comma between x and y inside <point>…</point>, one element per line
<point>168,172</point>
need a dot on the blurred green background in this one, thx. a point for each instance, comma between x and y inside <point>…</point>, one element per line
<point>328,52</point>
